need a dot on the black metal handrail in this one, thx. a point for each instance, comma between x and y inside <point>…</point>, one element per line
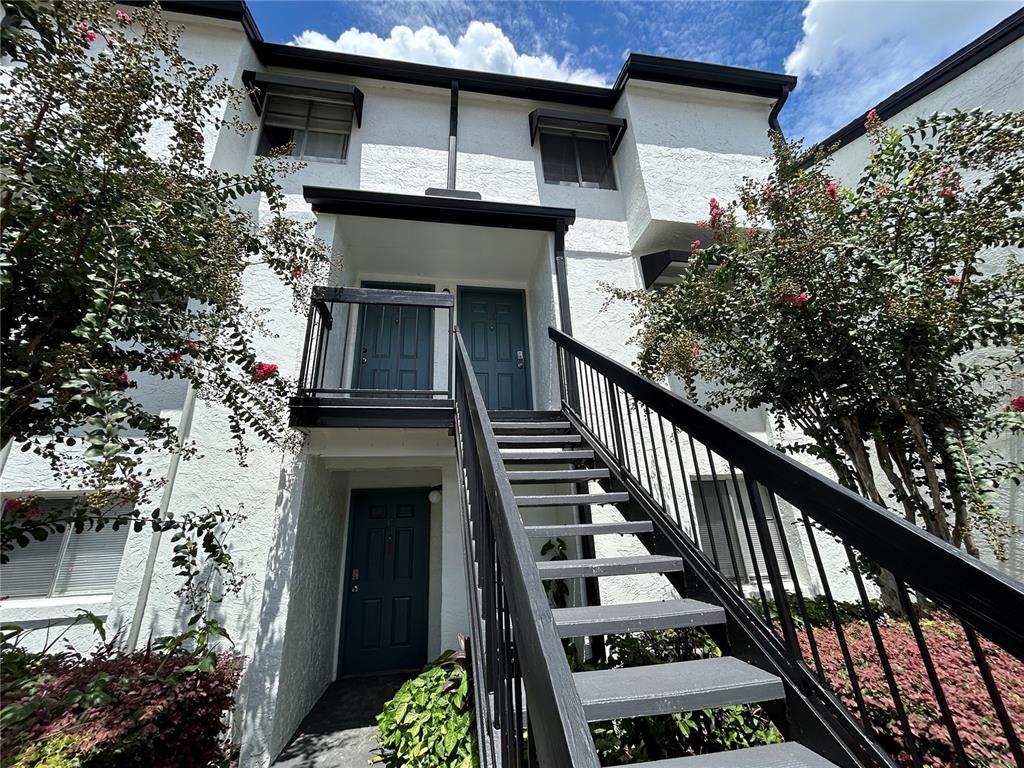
<point>332,356</point>
<point>763,531</point>
<point>514,644</point>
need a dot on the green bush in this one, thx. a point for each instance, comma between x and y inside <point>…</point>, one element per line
<point>430,721</point>
<point>686,733</point>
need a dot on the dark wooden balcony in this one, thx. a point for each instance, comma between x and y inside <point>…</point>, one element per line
<point>375,357</point>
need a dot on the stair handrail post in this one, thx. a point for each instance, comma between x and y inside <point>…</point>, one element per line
<point>560,731</point>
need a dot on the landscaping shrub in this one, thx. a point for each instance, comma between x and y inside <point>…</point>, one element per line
<point>430,721</point>
<point>965,691</point>
<point>685,733</point>
<point>115,708</point>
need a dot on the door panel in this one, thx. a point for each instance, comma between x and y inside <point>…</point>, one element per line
<point>494,326</point>
<point>395,345</point>
<point>386,582</point>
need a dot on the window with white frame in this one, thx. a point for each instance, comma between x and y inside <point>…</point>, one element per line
<point>316,129</point>
<point>723,532</point>
<point>577,159</point>
<point>64,564</point>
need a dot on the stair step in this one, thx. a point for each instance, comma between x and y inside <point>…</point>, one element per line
<point>546,457</point>
<point>682,686</point>
<point>787,755</point>
<point>557,475</point>
<point>571,499</point>
<point>636,617</point>
<point>609,566</point>
<point>588,529</point>
<point>500,416</point>
<point>538,439</point>
<point>532,427</point>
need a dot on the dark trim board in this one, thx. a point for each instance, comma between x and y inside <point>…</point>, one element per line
<point>358,412</point>
<point>1003,34</point>
<point>615,127</point>
<point>260,83</point>
<point>450,210</point>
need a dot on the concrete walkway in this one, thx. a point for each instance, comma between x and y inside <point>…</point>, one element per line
<point>340,730</point>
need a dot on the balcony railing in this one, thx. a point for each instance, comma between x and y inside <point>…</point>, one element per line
<point>375,344</point>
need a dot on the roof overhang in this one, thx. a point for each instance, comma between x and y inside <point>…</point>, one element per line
<point>260,83</point>
<point>450,210</point>
<point>654,265</point>
<point>613,127</point>
<point>698,74</point>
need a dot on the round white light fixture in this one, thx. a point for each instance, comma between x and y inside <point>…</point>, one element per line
<point>434,495</point>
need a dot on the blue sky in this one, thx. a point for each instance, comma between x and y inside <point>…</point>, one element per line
<point>848,54</point>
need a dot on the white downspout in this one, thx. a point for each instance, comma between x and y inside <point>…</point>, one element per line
<point>184,428</point>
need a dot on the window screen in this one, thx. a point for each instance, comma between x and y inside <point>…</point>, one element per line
<point>316,129</point>
<point>64,564</point>
<point>577,160</point>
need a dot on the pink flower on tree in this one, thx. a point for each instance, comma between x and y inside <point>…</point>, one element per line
<point>120,376</point>
<point>87,33</point>
<point>795,298</point>
<point>695,247</point>
<point>832,190</point>
<point>199,138</point>
<point>695,351</point>
<point>192,346</point>
<point>297,273</point>
<point>29,505</point>
<point>123,17</point>
<point>264,371</point>
<point>702,224</point>
<point>872,121</point>
<point>884,190</point>
<point>751,231</point>
<point>948,192</point>
<point>953,279</point>
<point>174,357</point>
<point>1016,405</point>
<point>717,211</point>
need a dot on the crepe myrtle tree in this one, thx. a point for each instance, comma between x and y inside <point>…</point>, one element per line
<point>124,257</point>
<point>876,320</point>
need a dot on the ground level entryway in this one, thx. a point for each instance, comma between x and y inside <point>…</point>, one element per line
<point>339,731</point>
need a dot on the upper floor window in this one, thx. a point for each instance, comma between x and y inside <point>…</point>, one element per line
<point>577,159</point>
<point>318,130</point>
<point>64,564</point>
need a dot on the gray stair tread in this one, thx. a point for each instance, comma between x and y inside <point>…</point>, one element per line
<point>497,415</point>
<point>787,755</point>
<point>571,499</point>
<point>557,475</point>
<point>537,439</point>
<point>546,456</point>
<point>589,529</point>
<point>530,426</point>
<point>636,617</point>
<point>682,686</point>
<point>609,566</point>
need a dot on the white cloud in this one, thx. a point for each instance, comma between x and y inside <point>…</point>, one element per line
<point>483,46</point>
<point>854,53</point>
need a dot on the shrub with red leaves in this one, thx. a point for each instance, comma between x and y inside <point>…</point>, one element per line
<point>116,708</point>
<point>982,736</point>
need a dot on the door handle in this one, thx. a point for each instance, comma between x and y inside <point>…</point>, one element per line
<point>520,359</point>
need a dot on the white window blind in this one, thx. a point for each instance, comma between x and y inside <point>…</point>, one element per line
<point>318,130</point>
<point>65,564</point>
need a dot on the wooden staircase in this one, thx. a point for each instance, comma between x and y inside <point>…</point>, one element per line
<point>543,447</point>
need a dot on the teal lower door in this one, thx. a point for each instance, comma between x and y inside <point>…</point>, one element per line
<point>395,346</point>
<point>493,324</point>
<point>385,614</point>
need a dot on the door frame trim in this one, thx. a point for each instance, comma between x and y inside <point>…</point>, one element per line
<point>459,289</point>
<point>339,665</point>
<point>398,285</point>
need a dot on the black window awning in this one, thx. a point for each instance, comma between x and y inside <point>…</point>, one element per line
<point>613,127</point>
<point>262,82</point>
<point>662,265</point>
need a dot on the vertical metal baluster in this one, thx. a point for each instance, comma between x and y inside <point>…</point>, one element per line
<point>883,656</point>
<point>685,480</point>
<point>704,509</point>
<point>304,366</point>
<point>750,545</point>
<point>993,691</point>
<point>668,465</point>
<point>844,647</point>
<point>618,448</point>
<point>725,522</point>
<point>795,578</point>
<point>933,676</point>
<point>643,450</point>
<point>635,469</point>
<point>654,459</point>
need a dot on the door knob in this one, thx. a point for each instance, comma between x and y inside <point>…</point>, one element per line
<point>520,359</point>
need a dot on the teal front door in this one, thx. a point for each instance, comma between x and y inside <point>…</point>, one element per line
<point>385,624</point>
<point>493,323</point>
<point>395,351</point>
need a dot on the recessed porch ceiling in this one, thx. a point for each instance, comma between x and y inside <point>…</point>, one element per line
<point>440,250</point>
